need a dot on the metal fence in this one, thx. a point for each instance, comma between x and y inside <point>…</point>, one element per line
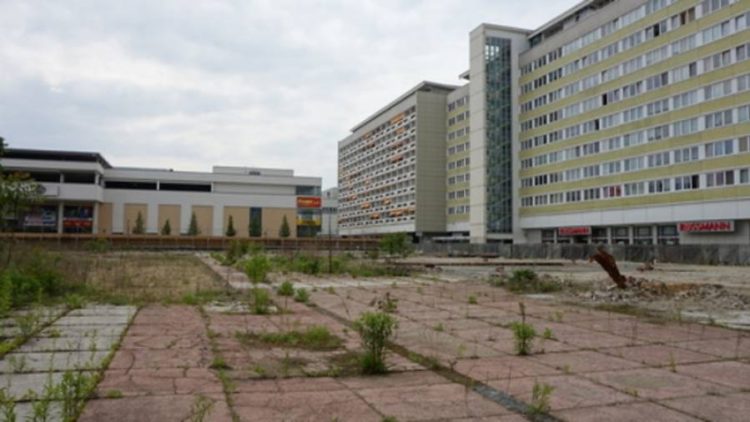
<point>681,254</point>
<point>157,242</point>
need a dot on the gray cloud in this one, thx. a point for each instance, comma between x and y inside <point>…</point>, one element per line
<point>188,84</point>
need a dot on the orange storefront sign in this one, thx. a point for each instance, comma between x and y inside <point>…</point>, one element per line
<point>308,202</point>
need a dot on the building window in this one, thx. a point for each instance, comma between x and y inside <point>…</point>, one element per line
<point>642,235</point>
<point>668,235</point>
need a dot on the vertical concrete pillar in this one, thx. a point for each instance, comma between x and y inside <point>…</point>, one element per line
<point>60,208</point>
<point>95,220</point>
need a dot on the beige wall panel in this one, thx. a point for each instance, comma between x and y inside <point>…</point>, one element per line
<point>204,214</point>
<point>241,220</point>
<point>105,218</point>
<point>171,213</point>
<point>272,218</point>
<point>131,214</point>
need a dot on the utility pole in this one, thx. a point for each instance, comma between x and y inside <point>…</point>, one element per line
<point>330,245</point>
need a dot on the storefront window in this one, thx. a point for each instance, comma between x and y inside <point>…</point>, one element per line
<point>308,222</point>
<point>78,219</point>
<point>42,219</point>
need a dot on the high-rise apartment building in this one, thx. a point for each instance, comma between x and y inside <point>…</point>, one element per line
<point>458,163</point>
<point>618,121</point>
<point>392,167</point>
<point>634,124</point>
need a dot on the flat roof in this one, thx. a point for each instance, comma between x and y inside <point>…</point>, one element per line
<point>54,155</point>
<point>419,87</point>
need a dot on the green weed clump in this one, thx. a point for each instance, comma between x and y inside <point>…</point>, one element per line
<point>286,289</point>
<point>527,281</point>
<point>261,301</point>
<point>375,330</point>
<point>257,268</point>
<point>316,337</point>
<point>540,395</point>
<point>301,296</point>
<point>523,334</point>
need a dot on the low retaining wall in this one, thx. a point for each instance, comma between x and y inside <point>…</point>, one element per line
<point>680,254</point>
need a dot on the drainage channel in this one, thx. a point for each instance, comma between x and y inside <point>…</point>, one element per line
<point>490,393</point>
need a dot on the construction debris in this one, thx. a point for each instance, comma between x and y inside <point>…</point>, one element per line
<point>608,263</point>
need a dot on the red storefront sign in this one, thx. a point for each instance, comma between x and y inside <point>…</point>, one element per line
<point>716,226</point>
<point>574,231</point>
<point>308,202</point>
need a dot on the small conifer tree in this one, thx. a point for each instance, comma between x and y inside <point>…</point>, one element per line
<point>284,230</point>
<point>167,229</point>
<point>193,229</point>
<point>231,232</point>
<point>139,225</point>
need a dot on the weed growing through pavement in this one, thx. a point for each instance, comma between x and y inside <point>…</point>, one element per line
<point>387,304</point>
<point>201,408</point>
<point>218,363</point>
<point>540,395</point>
<point>257,268</point>
<point>261,301</point>
<point>316,337</point>
<point>301,296</point>
<point>547,334</point>
<point>375,329</point>
<point>286,289</point>
<point>523,333</point>
<point>7,406</point>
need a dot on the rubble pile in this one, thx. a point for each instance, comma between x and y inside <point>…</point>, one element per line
<point>642,290</point>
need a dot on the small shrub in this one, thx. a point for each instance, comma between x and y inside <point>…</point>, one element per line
<point>231,231</point>
<point>284,231</point>
<point>375,329</point>
<point>166,230</point>
<point>540,394</point>
<point>286,289</point>
<point>113,394</point>
<point>439,327</point>
<point>301,296</point>
<point>193,229</point>
<point>140,226</point>
<point>523,334</point>
<point>261,301</point>
<point>74,301</point>
<point>472,300</point>
<point>396,244</point>
<point>257,268</point>
<point>547,334</point>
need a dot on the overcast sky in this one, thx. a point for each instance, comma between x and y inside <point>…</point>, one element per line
<point>190,84</point>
